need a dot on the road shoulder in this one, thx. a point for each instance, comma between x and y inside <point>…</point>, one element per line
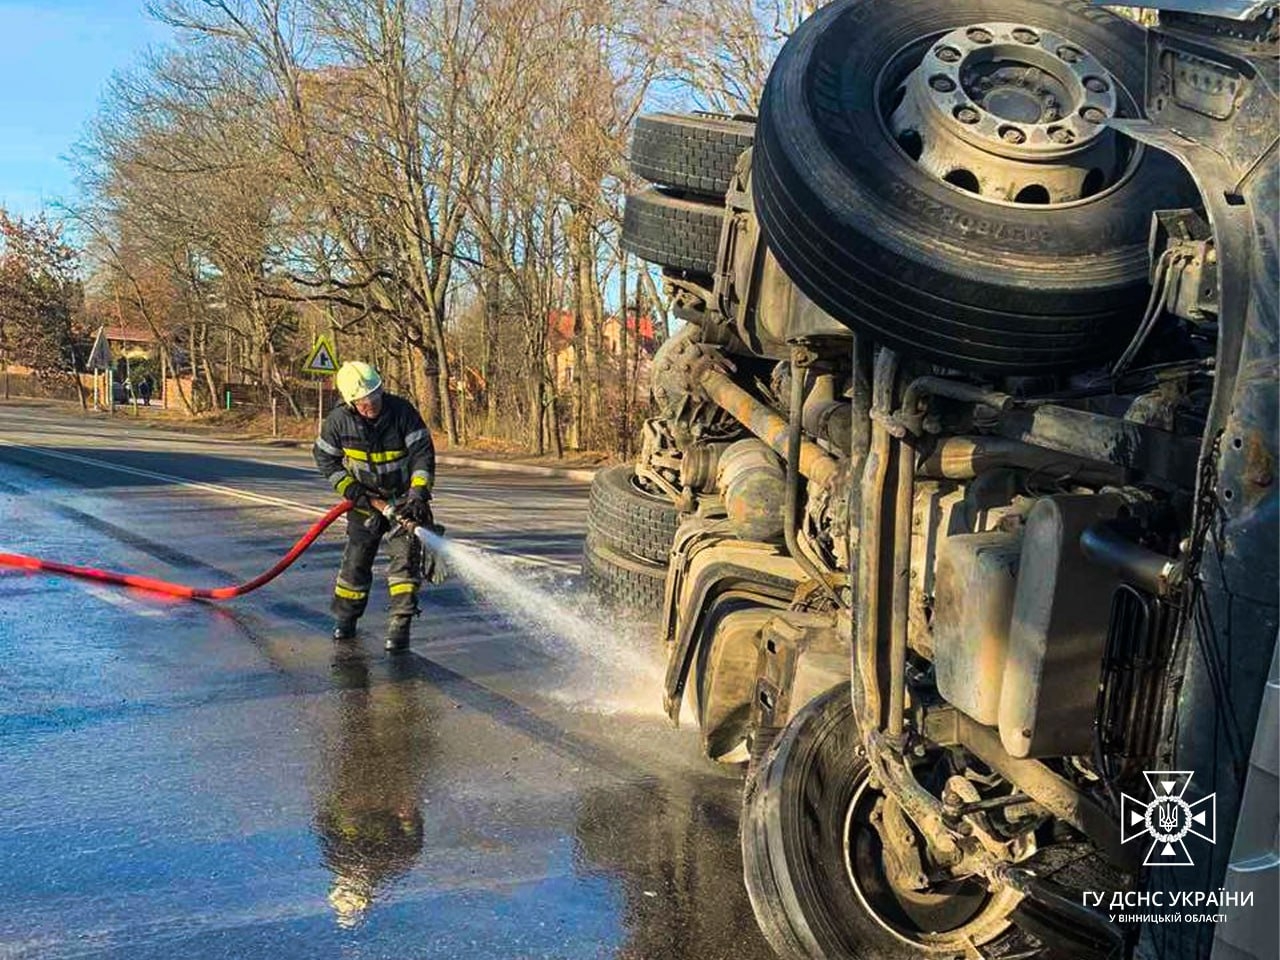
<point>221,433</point>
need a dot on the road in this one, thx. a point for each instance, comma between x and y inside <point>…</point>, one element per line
<point>219,781</point>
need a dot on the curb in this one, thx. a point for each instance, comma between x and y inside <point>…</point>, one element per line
<point>580,474</point>
<point>532,469</point>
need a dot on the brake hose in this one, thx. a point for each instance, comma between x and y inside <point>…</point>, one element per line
<point>35,564</point>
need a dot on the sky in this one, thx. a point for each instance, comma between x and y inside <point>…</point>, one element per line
<point>56,57</point>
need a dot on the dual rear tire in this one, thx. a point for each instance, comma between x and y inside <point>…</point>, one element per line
<point>629,536</point>
<point>690,161</point>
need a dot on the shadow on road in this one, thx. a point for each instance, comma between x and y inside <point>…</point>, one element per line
<point>198,467</point>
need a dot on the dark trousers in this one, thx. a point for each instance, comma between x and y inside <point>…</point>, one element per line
<point>365,531</point>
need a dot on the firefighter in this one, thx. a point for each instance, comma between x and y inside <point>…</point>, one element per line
<point>374,446</point>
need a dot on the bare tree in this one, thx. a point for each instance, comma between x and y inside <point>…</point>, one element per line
<point>728,46</point>
<point>367,166</point>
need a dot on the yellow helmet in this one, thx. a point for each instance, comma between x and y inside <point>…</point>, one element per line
<point>357,379</point>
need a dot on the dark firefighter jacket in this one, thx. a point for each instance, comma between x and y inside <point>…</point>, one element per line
<point>388,455</point>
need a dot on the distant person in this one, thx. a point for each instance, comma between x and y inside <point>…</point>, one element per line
<point>129,395</point>
<point>144,389</point>
<point>374,446</point>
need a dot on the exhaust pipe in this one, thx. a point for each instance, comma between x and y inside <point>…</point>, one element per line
<point>815,463</point>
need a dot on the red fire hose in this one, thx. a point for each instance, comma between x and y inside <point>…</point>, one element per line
<point>178,589</point>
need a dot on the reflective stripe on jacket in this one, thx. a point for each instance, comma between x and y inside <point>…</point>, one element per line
<point>388,455</point>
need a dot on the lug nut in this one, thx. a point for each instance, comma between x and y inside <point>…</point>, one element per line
<point>1061,135</point>
<point>1096,85</point>
<point>1093,115</point>
<point>978,35</point>
<point>947,54</point>
<point>1012,135</point>
<point>942,84</point>
<point>967,115</point>
<point>1069,54</point>
<point>1023,35</point>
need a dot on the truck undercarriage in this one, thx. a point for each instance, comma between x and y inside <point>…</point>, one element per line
<point>958,507</point>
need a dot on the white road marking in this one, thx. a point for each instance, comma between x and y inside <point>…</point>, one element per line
<point>170,478</point>
<point>305,469</point>
<point>118,598</point>
<point>257,498</point>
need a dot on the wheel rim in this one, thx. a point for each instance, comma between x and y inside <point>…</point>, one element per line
<point>919,918</point>
<point>637,484</point>
<point>1011,113</point>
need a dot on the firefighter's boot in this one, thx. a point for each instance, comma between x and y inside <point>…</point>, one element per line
<point>344,628</point>
<point>398,634</point>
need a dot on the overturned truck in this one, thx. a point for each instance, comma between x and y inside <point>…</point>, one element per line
<point>959,508</point>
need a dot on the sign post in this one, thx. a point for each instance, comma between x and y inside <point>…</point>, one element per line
<point>322,361</point>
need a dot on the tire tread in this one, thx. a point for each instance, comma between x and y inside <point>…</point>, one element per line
<point>634,586</point>
<point>627,520</point>
<point>672,232</point>
<point>689,152</point>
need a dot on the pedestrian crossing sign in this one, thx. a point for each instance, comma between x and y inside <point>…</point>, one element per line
<point>323,358</point>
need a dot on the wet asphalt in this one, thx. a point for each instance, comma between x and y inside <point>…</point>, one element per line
<point>220,781</point>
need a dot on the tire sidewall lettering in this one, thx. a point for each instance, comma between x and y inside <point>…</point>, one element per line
<point>965,225</point>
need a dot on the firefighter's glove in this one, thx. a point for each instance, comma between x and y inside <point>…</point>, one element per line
<point>417,508</point>
<point>359,495</point>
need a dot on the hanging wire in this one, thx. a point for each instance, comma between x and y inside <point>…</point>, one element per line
<point>1161,285</point>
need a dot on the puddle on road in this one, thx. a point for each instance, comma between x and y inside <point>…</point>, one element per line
<point>472,833</point>
<point>611,666</point>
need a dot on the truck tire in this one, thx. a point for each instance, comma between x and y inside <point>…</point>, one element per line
<point>629,520</point>
<point>813,864</point>
<point>621,581</point>
<point>672,232</point>
<point>689,152</point>
<point>925,266</point>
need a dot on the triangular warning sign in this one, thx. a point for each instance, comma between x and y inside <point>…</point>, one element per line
<point>100,354</point>
<point>322,358</point>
